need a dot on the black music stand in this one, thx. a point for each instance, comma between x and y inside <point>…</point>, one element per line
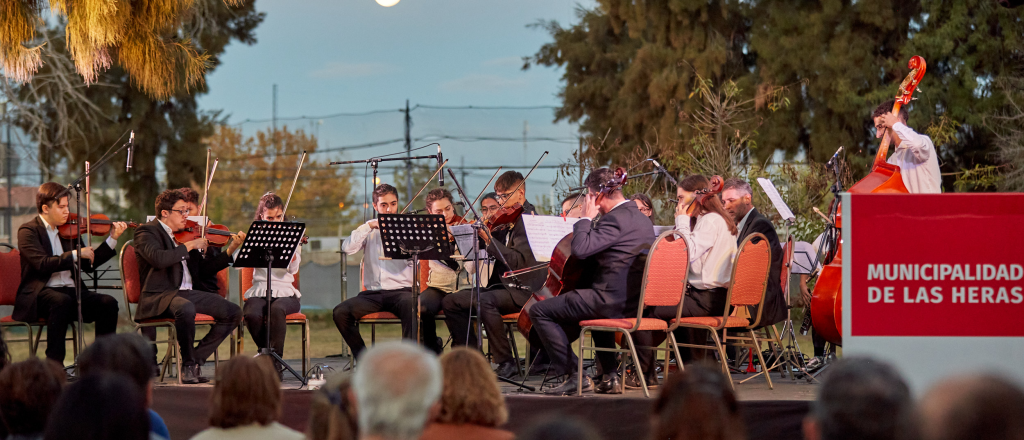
<point>271,245</point>
<point>417,237</point>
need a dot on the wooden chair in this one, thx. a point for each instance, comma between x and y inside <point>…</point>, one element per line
<point>664,284</point>
<point>749,281</point>
<point>129,266</point>
<point>10,265</point>
<point>299,319</point>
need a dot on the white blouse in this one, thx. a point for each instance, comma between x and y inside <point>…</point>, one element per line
<point>712,249</point>
<point>282,280</point>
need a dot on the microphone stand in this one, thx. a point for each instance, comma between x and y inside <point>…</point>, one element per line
<point>477,227</point>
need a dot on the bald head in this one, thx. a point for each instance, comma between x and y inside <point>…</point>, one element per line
<point>397,385</point>
<point>973,407</point>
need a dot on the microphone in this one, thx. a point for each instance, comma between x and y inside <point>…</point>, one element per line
<point>131,152</point>
<point>663,171</point>
<point>834,156</point>
<point>440,161</point>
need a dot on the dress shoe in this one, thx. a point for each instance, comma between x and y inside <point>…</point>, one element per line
<point>568,388</point>
<point>199,375</point>
<point>632,381</point>
<point>538,369</point>
<point>610,384</point>
<point>188,375</point>
<point>507,369</point>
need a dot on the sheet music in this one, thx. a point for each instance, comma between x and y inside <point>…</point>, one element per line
<point>545,231</point>
<point>464,240</point>
<point>776,198</point>
<point>658,230</point>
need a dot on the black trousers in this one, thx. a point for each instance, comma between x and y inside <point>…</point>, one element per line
<point>556,323</point>
<point>399,302</point>
<point>226,315</point>
<point>494,302</point>
<point>253,312</point>
<point>59,306</point>
<point>697,303</point>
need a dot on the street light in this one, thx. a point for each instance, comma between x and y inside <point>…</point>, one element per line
<point>387,3</point>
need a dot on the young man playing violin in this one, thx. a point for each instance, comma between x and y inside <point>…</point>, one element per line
<point>501,296</point>
<point>168,290</point>
<point>611,250</point>
<point>914,154</point>
<point>207,264</point>
<point>47,289</point>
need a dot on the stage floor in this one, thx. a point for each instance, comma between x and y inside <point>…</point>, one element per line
<point>769,413</point>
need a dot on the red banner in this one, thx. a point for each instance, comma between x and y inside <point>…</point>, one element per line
<point>936,265</point>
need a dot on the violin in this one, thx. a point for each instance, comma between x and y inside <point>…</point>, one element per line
<point>702,195</point>
<point>504,217</point>
<point>98,225</point>
<point>217,235</point>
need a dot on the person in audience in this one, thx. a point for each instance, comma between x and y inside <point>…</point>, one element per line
<point>128,354</point>
<point>559,428</point>
<point>568,209</point>
<point>645,204</point>
<point>397,386</point>
<point>973,407</point>
<point>697,403</point>
<point>285,297</point>
<point>472,406</point>
<point>28,393</point>
<point>332,411</point>
<point>861,398</point>
<point>5,355</point>
<point>101,406</point>
<point>246,403</point>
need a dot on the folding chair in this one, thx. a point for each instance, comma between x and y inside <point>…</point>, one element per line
<point>664,284</point>
<point>10,264</point>
<point>749,281</point>
<point>299,319</point>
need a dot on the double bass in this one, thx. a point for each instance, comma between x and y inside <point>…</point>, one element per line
<point>826,307</point>
<point>564,269</point>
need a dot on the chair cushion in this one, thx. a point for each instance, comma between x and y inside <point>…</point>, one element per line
<point>511,317</point>
<point>295,317</point>
<point>645,323</point>
<point>716,321</point>
<point>156,320</point>
<point>10,318</point>
<point>202,317</point>
<point>380,315</point>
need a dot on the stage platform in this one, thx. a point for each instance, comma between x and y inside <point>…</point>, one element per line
<point>769,413</point>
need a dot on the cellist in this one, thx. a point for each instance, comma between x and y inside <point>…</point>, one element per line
<point>915,154</point>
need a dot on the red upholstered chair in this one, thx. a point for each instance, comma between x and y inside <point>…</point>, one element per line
<point>749,281</point>
<point>10,265</point>
<point>769,334</point>
<point>664,284</point>
<point>129,268</point>
<point>299,319</point>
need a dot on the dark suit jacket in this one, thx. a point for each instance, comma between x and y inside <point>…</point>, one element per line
<point>775,300</point>
<point>160,270</point>
<point>38,265</point>
<point>204,266</point>
<point>518,254</point>
<point>615,246</point>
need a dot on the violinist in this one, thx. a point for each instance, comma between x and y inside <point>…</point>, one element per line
<point>167,285</point>
<point>568,210</point>
<point>498,298</point>
<point>205,265</point>
<point>285,300</point>
<point>489,205</point>
<point>711,243</point>
<point>47,289</point>
<point>610,249</point>
<point>442,277</point>
<point>915,153</point>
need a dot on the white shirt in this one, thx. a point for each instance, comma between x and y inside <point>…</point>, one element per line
<point>917,160</point>
<point>273,431</point>
<point>63,278</point>
<point>712,249</point>
<point>739,227</point>
<point>186,276</point>
<point>378,274</point>
<point>281,280</point>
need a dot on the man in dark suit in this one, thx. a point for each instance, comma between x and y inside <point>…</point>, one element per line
<point>499,296</point>
<point>167,285</point>
<point>47,287</point>
<point>736,197</point>
<point>613,249</point>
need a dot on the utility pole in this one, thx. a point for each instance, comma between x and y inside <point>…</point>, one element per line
<point>273,118</point>
<point>408,152</point>
<point>526,130</point>
<point>579,158</point>
<point>8,157</point>
<point>463,179</point>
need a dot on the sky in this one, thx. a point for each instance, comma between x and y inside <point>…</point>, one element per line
<point>352,56</point>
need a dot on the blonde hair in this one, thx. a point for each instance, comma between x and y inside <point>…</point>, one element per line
<point>470,394</point>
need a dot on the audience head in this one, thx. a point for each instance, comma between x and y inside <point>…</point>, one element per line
<point>439,201</point>
<point>686,193</point>
<point>567,203</point>
<point>125,353</point>
<point>489,205</point>
<point>559,428</point>
<point>980,407</point>
<point>5,355</point>
<point>397,386</point>
<point>385,199</point>
<point>862,399</point>
<point>271,208</point>
<point>505,188</point>
<point>737,198</point>
<point>28,393</point>
<point>644,203</point>
<point>248,392</point>
<point>697,403</point>
<point>471,394</point>
<point>332,413</point>
<point>101,406</point>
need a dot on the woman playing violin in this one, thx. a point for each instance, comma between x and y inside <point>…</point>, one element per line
<point>442,275</point>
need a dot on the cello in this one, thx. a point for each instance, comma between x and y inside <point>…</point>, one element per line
<point>826,306</point>
<point>564,269</point>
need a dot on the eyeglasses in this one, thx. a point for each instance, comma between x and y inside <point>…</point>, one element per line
<point>183,212</point>
<point>646,210</point>
<point>505,195</point>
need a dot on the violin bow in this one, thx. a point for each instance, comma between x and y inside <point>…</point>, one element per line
<point>291,191</point>
<point>88,209</point>
<point>432,176</point>
<point>523,182</point>
<point>206,195</point>
<point>478,196</point>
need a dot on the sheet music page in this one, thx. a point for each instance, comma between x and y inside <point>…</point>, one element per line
<point>464,240</point>
<point>776,198</point>
<point>545,231</point>
<point>658,230</point>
